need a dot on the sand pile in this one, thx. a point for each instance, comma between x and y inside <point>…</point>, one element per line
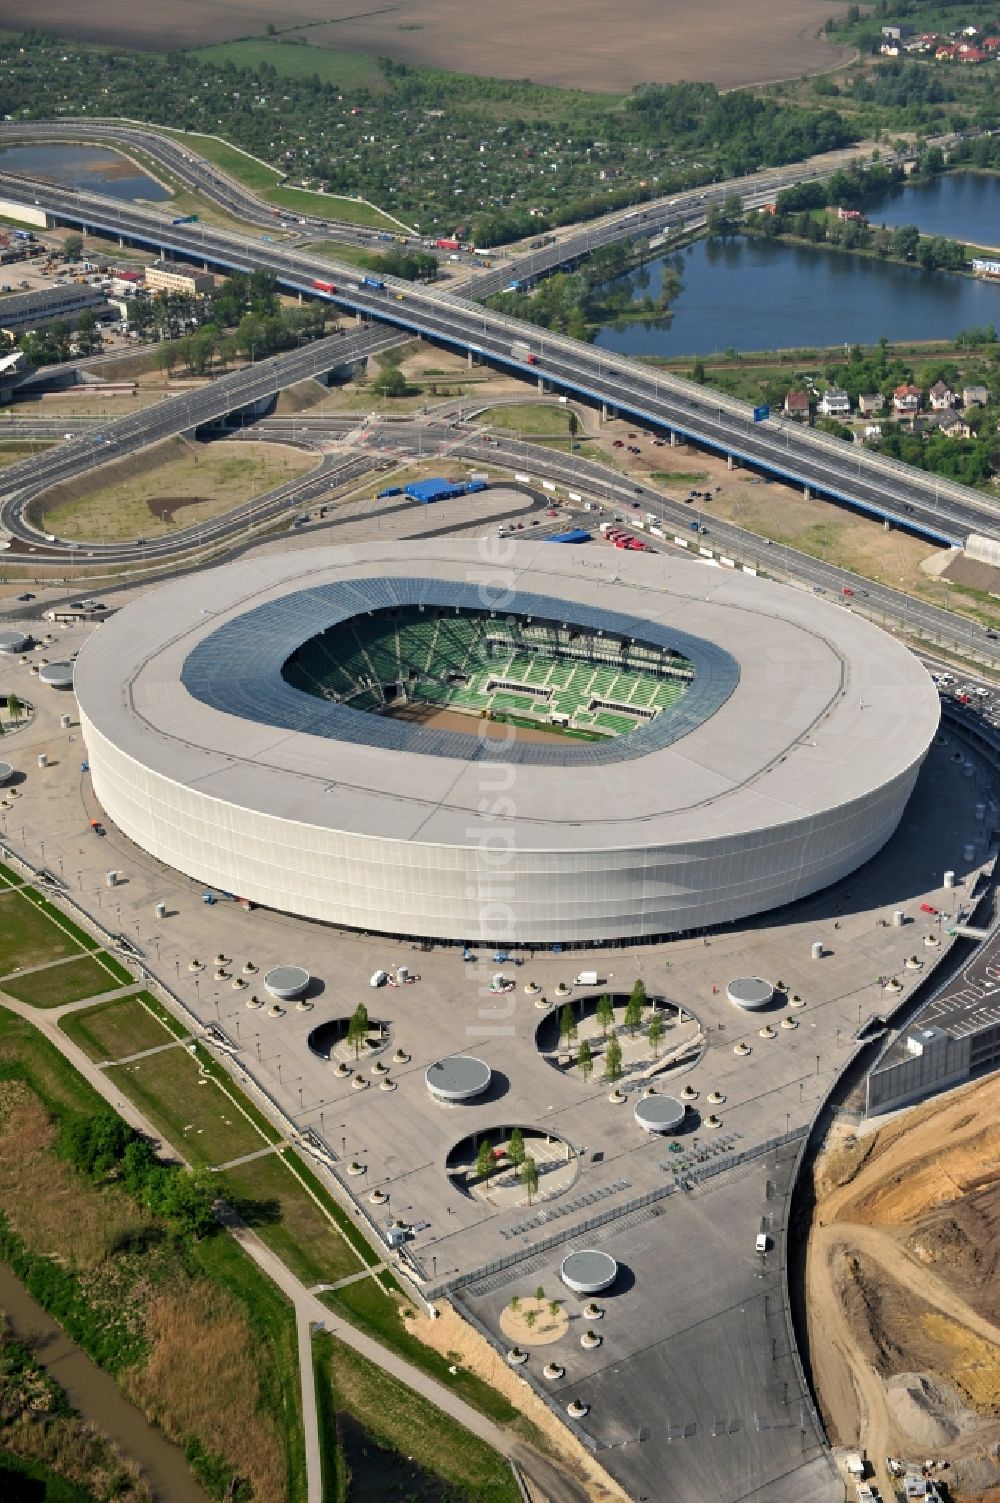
<point>927,1410</point>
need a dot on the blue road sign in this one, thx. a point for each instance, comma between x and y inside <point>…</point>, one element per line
<point>760,413</point>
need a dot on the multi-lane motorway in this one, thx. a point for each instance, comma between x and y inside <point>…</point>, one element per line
<point>938,509</point>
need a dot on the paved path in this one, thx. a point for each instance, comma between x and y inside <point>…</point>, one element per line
<point>308,1309</point>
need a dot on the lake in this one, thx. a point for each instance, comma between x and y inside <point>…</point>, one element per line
<point>959,205</point>
<point>90,168</point>
<point>751,294</point>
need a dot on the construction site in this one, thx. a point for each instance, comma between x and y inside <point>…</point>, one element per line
<point>902,1305</point>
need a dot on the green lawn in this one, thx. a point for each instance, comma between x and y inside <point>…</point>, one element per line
<point>353,255</point>
<point>274,1202</point>
<point>56,985</point>
<point>402,1421</point>
<point>190,1111</point>
<point>112,1030</point>
<point>325,206</point>
<point>536,418</point>
<point>32,931</point>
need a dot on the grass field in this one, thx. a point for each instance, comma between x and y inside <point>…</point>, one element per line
<point>537,419</point>
<point>273,1201</point>
<point>403,1422</point>
<point>69,981</point>
<point>173,485</point>
<point>27,935</point>
<point>12,451</point>
<point>112,1030</point>
<point>348,70</point>
<point>189,1109</point>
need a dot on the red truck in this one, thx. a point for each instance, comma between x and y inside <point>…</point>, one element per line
<point>324,286</point>
<point>450,245</point>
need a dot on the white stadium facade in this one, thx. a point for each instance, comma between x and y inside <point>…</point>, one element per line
<point>321,734</point>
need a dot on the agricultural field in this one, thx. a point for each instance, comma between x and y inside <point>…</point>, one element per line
<point>573,44</point>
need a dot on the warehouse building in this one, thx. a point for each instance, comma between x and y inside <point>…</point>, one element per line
<point>37,310</point>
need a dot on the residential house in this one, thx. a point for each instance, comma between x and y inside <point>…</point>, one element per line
<point>898,31</point>
<point>906,400</point>
<point>975,396</point>
<point>942,397</point>
<point>852,216</point>
<point>835,403</point>
<point>797,404</point>
<point>869,402</point>
<point>954,426</point>
<point>873,433</point>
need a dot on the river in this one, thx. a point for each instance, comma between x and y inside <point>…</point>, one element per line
<point>93,1394</point>
<point>750,294</point>
<point>93,169</point>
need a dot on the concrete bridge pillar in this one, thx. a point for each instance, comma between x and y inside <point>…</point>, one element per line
<point>604,412</point>
<point>674,440</point>
<point>730,462</point>
<point>807,492</point>
<point>470,359</point>
<point>541,383</point>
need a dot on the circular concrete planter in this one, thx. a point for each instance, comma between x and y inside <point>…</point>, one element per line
<point>552,1370</point>
<point>767,1032</point>
<point>593,1312</point>
<point>562,990</point>
<point>531,988</point>
<point>359,1083</point>
<point>354,1168</point>
<point>276,1011</point>
<point>713,1121</point>
<point>378,1068</point>
<point>617,1098</point>
<point>589,1340</point>
<point>542,1003</point>
<point>516,1357</point>
<point>689,1093</point>
<point>195,965</point>
<point>741,1049</point>
<point>931,941</point>
<point>893,986</point>
<point>221,975</point>
<point>795,1000</point>
<point>387,1084</point>
<point>401,1057</point>
<point>913,964</point>
<point>378,1198</point>
<point>254,1001</point>
<point>577,1409</point>
<point>303,1006</point>
<point>716,1098</point>
<point>249,969</point>
<point>239,985</point>
<point>789,1023</point>
<point>343,1070</point>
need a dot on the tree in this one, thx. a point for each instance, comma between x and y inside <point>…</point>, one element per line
<point>88,335</point>
<point>539,1293</point>
<point>613,1059</point>
<point>635,1007</point>
<point>574,425</point>
<point>15,709</point>
<point>390,383</point>
<point>605,1015</point>
<point>656,1032</point>
<point>529,1177</point>
<point>515,1148</point>
<point>484,1160</point>
<point>567,1022</point>
<point>585,1060</point>
<point>165,357</point>
<point>357,1028</point>
<point>554,1307</point>
<point>73,247</point>
<point>515,1303</point>
<point>530,1316</point>
<point>187,1198</point>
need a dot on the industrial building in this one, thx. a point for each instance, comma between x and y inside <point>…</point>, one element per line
<point>699,745</point>
<point>36,310</point>
<point>173,276</point>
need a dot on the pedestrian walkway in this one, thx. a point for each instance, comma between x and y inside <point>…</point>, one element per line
<point>130,1059</point>
<point>248,1158</point>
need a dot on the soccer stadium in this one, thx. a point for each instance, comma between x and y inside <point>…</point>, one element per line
<point>539,675</point>
<point>576,748</point>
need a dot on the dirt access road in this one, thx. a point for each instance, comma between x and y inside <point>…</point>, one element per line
<point>873,1196</point>
<point>569,43</point>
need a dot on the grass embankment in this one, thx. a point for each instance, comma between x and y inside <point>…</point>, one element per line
<point>268,183</point>
<point>171,486</point>
<point>45,959</point>
<point>401,1421</point>
<point>13,450</point>
<point>191,1331</point>
<point>114,1030</point>
<point>279,1195</point>
<point>533,419</point>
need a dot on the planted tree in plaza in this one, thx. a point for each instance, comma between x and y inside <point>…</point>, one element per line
<point>530,1316</point>
<point>585,1060</point>
<point>554,1308</point>
<point>529,1177</point>
<point>635,1007</point>
<point>515,1148</point>
<point>15,709</point>
<point>605,1015</point>
<point>567,1022</point>
<point>539,1293</point>
<point>484,1160</point>
<point>613,1058</point>
<point>515,1303</point>
<point>656,1032</point>
<point>357,1028</point>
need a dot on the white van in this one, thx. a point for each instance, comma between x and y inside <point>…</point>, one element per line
<point>586,978</point>
<point>761,1243</point>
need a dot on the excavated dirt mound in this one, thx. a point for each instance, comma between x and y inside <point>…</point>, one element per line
<point>927,1410</point>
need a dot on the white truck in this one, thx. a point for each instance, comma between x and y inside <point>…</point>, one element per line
<point>586,978</point>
